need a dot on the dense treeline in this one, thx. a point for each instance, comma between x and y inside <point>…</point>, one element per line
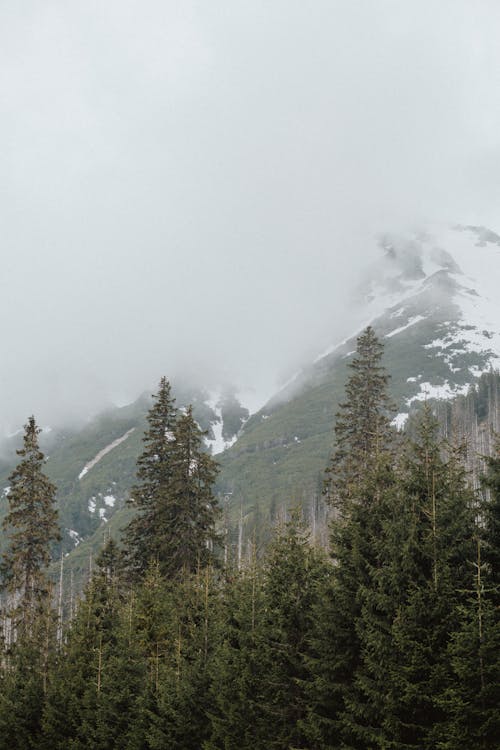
<point>390,639</point>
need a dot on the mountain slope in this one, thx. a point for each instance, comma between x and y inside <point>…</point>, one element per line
<point>432,299</point>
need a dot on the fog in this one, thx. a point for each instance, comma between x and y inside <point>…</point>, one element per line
<point>191,189</point>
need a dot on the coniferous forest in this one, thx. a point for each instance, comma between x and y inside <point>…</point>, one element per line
<point>389,639</point>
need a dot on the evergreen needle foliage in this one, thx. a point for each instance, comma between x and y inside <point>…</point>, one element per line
<point>31,524</point>
<point>362,427</point>
<point>175,525</point>
<point>390,642</point>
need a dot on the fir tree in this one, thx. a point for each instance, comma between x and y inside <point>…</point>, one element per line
<point>237,671</point>
<point>178,718</point>
<point>259,668</point>
<point>359,478</point>
<point>473,696</point>
<point>21,698</point>
<point>177,508</point>
<point>93,694</point>
<point>431,558</point>
<point>154,472</point>
<point>362,426</point>
<point>31,524</point>
<point>187,525</point>
<point>293,572</point>
<point>491,514</point>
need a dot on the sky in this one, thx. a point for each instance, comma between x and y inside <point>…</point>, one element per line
<point>192,188</point>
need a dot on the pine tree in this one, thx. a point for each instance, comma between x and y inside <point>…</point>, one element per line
<point>93,693</point>
<point>259,669</point>
<point>237,671</point>
<point>182,696</point>
<point>21,698</point>
<point>473,696</point>
<point>362,426</point>
<point>187,526</point>
<point>429,560</point>
<point>293,573</point>
<point>154,472</point>
<point>491,513</point>
<point>175,525</point>
<point>31,524</point>
<point>359,479</point>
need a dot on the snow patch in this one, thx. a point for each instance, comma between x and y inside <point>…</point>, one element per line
<point>218,443</point>
<point>75,536</point>
<point>400,420</point>
<point>442,392</point>
<point>411,322</point>
<point>109,500</point>
<point>398,313</point>
<point>104,452</point>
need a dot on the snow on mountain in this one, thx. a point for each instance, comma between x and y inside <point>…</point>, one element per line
<point>217,443</point>
<point>90,465</point>
<point>476,252</point>
<point>444,282</point>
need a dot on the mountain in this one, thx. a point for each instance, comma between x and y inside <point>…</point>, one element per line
<point>94,467</point>
<point>432,299</point>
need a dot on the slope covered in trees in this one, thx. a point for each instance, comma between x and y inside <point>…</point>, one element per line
<point>388,639</point>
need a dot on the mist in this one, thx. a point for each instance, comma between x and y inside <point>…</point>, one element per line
<point>191,189</point>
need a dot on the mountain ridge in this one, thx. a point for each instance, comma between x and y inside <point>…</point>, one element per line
<point>433,308</point>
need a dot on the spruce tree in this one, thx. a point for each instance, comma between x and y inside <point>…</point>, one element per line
<point>237,671</point>
<point>94,691</point>
<point>183,697</point>
<point>154,471</point>
<point>175,526</point>
<point>31,525</point>
<point>293,573</point>
<point>473,696</point>
<point>359,478</point>
<point>429,566</point>
<point>187,533</point>
<point>491,515</point>
<point>259,670</point>
<point>362,426</point>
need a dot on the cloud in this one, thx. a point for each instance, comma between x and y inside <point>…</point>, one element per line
<point>190,188</point>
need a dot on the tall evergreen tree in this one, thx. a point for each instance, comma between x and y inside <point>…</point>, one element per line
<point>259,668</point>
<point>491,515</point>
<point>362,426</point>
<point>31,525</point>
<point>94,690</point>
<point>428,566</point>
<point>188,533</point>
<point>293,574</point>
<point>175,526</point>
<point>154,472</point>
<point>359,477</point>
<point>473,696</point>
<point>183,697</point>
<point>237,670</point>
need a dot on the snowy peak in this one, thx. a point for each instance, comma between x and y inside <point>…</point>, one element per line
<point>433,298</point>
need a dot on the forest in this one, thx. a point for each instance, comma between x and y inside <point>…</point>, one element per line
<point>387,637</point>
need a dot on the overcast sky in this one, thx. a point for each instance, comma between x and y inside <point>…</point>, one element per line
<point>191,187</point>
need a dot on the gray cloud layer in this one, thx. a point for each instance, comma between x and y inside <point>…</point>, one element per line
<point>189,187</point>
